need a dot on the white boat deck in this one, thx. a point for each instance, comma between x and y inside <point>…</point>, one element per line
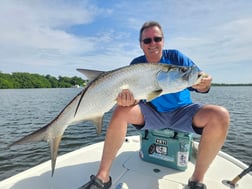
<point>74,169</point>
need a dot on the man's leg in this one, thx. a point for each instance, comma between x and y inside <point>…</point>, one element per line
<point>115,136</point>
<point>215,121</point>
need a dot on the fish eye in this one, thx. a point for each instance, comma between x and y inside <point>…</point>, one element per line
<point>183,69</point>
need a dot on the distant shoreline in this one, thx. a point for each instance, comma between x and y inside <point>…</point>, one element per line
<point>77,86</point>
<point>23,80</point>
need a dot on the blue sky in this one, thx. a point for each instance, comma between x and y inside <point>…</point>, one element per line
<point>57,36</point>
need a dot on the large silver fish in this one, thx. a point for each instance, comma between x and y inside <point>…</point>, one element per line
<point>145,81</point>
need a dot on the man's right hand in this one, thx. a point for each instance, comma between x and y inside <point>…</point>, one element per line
<point>125,98</point>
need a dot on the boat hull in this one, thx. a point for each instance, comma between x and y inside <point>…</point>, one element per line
<point>74,169</point>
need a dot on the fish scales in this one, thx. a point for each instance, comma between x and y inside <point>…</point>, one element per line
<point>103,92</point>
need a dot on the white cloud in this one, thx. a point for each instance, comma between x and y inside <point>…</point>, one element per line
<point>56,37</point>
<point>33,33</point>
<point>223,44</point>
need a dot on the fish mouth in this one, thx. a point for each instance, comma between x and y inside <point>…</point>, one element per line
<point>189,72</point>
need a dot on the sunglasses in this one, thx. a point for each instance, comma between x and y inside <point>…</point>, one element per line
<point>149,40</point>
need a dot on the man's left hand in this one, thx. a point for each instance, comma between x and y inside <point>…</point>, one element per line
<point>204,84</point>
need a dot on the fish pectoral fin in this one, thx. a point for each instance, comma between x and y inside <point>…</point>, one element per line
<point>98,121</point>
<point>154,94</point>
<point>54,145</point>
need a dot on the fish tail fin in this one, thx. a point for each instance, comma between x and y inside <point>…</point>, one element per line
<point>38,135</point>
<point>54,146</point>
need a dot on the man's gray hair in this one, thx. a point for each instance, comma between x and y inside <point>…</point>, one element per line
<point>149,24</point>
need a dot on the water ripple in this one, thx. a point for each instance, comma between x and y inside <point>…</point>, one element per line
<point>24,111</point>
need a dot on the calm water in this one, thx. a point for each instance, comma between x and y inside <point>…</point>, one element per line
<point>23,111</point>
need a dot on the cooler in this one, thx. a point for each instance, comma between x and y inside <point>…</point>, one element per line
<point>166,147</point>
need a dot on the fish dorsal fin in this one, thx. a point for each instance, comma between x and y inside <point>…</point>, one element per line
<point>154,94</point>
<point>98,121</point>
<point>90,74</point>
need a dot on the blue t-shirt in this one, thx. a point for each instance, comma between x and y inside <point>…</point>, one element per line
<point>169,102</point>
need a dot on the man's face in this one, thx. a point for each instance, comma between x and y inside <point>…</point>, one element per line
<point>152,44</point>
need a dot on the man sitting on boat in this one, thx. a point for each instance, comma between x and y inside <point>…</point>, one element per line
<point>175,111</point>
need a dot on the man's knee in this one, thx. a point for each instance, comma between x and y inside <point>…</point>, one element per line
<point>212,116</point>
<point>218,121</point>
<point>222,116</point>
